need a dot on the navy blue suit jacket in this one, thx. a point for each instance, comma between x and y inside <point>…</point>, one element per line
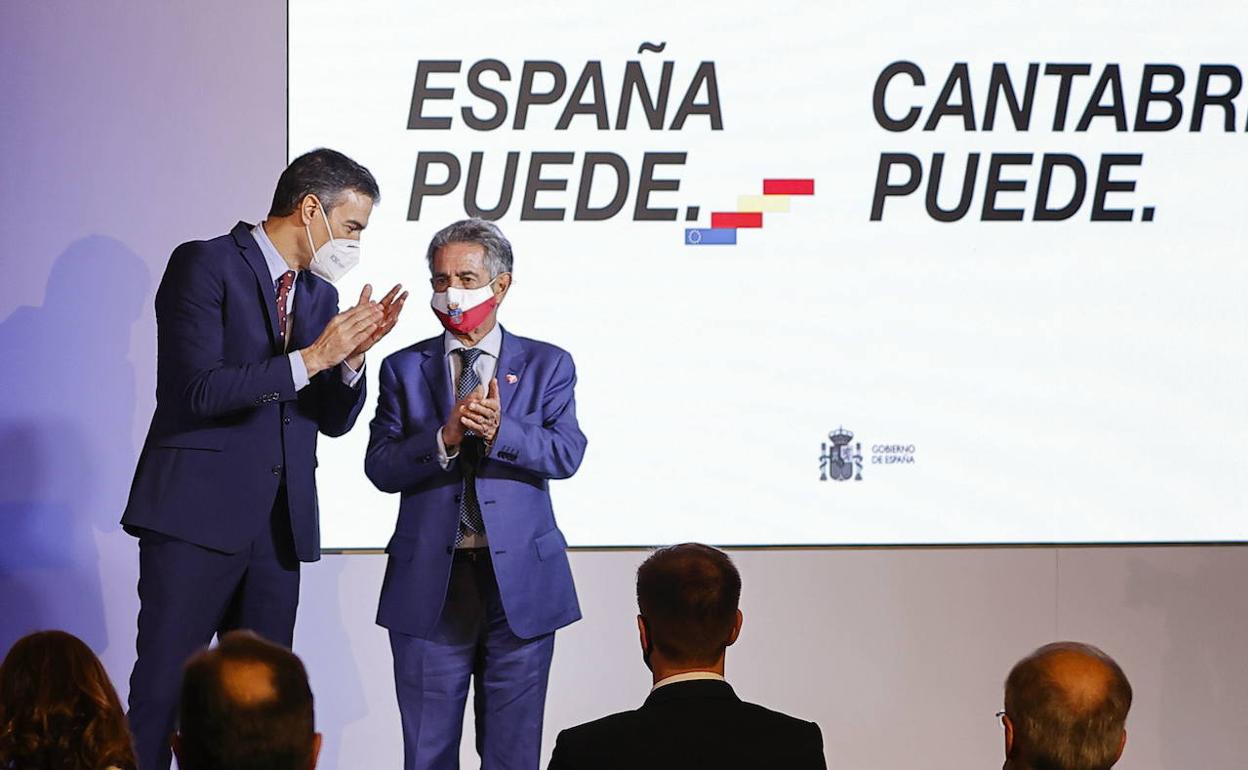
<point>538,439</point>
<point>229,424</point>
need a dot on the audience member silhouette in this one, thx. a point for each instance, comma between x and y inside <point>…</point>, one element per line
<point>1066,708</point>
<point>58,708</point>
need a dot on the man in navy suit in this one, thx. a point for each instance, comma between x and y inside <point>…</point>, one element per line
<point>471,426</point>
<point>253,360</point>
<point>687,596</point>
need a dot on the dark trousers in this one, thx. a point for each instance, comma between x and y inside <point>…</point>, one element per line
<point>186,595</point>
<point>472,641</point>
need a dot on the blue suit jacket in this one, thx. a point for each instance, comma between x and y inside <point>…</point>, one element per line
<point>229,423</point>
<point>538,440</point>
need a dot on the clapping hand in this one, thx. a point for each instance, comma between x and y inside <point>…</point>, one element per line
<point>483,415</point>
<point>391,305</point>
<point>344,333</point>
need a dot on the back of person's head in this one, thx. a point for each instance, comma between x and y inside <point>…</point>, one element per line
<point>246,705</point>
<point>1066,708</point>
<point>687,595</point>
<point>58,709</point>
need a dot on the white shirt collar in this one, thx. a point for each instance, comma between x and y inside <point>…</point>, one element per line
<point>490,344</point>
<point>688,676</point>
<point>272,257</point>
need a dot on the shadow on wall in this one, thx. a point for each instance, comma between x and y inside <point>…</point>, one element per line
<point>66,453</point>
<point>321,639</point>
<point>1202,657</point>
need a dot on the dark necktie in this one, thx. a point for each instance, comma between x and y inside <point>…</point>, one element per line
<point>283,291</point>
<point>470,521</point>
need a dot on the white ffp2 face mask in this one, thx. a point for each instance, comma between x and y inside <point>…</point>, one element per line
<point>336,257</point>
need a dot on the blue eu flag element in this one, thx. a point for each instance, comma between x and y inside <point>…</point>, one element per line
<point>710,236</point>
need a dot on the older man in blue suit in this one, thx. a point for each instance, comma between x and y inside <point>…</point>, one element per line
<point>471,426</point>
<point>254,360</point>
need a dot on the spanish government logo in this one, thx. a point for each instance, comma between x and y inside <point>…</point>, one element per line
<point>839,460</point>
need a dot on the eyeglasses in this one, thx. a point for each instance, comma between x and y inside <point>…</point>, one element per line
<point>1000,714</point>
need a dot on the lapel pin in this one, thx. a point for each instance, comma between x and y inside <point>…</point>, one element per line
<point>512,379</point>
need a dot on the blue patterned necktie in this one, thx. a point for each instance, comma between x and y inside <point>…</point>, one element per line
<point>470,521</point>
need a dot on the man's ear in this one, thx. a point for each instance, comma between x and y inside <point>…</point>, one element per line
<point>736,629</point>
<point>316,750</point>
<point>501,284</point>
<point>1010,747</point>
<point>643,634</point>
<point>1121,745</point>
<point>307,209</point>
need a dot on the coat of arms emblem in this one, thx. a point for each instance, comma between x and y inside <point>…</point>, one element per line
<point>839,460</point>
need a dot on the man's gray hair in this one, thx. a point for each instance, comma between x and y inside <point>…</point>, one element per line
<point>478,231</point>
<point>1057,731</point>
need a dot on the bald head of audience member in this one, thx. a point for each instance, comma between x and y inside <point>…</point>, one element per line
<point>687,597</point>
<point>246,705</point>
<point>1066,708</point>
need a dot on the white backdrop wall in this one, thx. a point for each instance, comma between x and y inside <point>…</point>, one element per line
<point>1073,372</point>
<point>130,127</point>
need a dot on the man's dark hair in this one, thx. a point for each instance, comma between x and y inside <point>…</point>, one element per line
<point>688,596</point>
<point>1060,728</point>
<point>245,705</point>
<point>325,173</point>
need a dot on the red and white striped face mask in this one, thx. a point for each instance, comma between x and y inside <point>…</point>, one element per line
<point>470,307</point>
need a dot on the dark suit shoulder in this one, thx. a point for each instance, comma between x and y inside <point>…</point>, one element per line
<point>194,266</point>
<point>797,731</point>
<point>778,718</point>
<point>211,247</point>
<point>213,256</point>
<point>802,741</point>
<point>199,252</point>
<point>592,733</point>
<point>612,742</point>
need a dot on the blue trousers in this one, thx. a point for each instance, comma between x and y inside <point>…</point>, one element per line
<point>187,594</point>
<point>472,642</point>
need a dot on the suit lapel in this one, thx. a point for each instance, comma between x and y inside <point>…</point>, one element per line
<point>437,376</point>
<point>303,311</point>
<point>250,250</point>
<point>512,358</point>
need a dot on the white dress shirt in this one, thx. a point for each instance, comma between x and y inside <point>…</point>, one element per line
<point>688,676</point>
<point>277,268</point>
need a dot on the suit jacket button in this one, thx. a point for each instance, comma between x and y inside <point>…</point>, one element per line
<point>277,470</point>
<point>286,421</point>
